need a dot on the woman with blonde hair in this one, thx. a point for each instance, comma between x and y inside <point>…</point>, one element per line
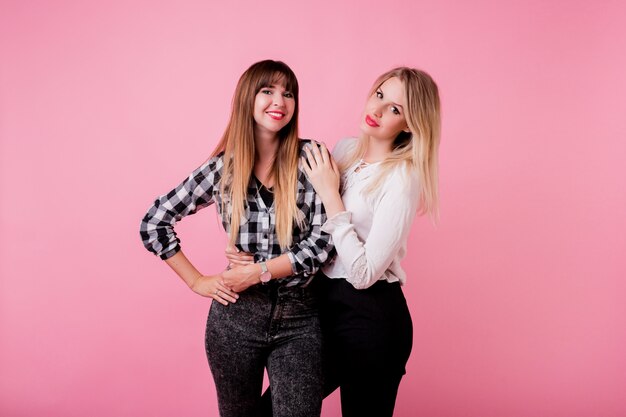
<point>265,314</point>
<point>372,187</point>
<point>387,176</point>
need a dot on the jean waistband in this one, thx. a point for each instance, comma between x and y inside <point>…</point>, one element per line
<point>278,287</point>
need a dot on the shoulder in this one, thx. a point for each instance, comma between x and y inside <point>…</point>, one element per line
<point>344,147</point>
<point>306,143</point>
<point>402,181</point>
<point>303,180</point>
<point>398,193</point>
<point>215,161</point>
<point>209,168</point>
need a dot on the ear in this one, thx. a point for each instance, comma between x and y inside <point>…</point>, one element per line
<point>406,130</point>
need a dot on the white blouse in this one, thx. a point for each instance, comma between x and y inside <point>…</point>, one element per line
<point>371,235</point>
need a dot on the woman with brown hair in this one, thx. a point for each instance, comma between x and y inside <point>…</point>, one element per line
<point>266,312</point>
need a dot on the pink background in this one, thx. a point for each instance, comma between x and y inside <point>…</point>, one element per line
<point>517,296</point>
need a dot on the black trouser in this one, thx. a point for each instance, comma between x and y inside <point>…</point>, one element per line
<point>368,335</point>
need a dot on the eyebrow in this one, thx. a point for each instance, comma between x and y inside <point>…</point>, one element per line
<point>274,86</point>
<point>399,105</point>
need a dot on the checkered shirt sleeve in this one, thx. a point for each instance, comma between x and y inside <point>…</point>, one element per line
<point>194,193</point>
<point>314,247</point>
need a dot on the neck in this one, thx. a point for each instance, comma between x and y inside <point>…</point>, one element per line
<point>377,149</point>
<point>266,150</point>
<point>266,145</point>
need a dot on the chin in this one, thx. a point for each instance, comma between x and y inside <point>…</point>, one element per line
<point>366,129</point>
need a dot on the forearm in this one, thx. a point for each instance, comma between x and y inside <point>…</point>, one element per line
<point>184,268</point>
<point>280,267</point>
<point>241,277</point>
<point>332,203</point>
<point>205,285</point>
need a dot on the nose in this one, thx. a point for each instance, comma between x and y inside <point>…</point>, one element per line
<point>279,100</point>
<point>378,111</point>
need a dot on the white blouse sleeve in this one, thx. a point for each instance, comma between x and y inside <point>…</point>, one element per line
<point>393,214</point>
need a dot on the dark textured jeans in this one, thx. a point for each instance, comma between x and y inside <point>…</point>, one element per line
<point>269,326</point>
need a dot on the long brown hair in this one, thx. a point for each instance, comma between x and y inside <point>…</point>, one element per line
<point>238,146</point>
<point>417,149</point>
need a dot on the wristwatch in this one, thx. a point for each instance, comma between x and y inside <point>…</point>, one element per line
<point>266,275</point>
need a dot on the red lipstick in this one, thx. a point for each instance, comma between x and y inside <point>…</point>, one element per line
<point>370,121</point>
<point>276,115</point>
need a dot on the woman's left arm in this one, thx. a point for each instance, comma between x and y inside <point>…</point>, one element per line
<point>308,255</point>
<point>241,277</point>
<point>304,257</point>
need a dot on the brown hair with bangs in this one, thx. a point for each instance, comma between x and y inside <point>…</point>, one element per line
<point>239,149</point>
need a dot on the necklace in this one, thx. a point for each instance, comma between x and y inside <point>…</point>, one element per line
<point>260,186</point>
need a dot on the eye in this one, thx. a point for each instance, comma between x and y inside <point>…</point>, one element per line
<point>266,91</point>
<point>395,110</point>
<point>287,94</point>
<point>379,94</point>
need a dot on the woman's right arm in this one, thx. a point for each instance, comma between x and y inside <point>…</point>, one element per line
<point>366,260</point>
<point>158,235</point>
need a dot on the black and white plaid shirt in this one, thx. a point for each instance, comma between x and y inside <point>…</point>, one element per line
<point>311,247</point>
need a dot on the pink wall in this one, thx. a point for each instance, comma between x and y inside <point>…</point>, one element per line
<point>517,296</point>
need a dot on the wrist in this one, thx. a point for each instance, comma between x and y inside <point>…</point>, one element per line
<point>193,285</point>
<point>327,195</point>
<point>333,205</point>
<point>265,276</point>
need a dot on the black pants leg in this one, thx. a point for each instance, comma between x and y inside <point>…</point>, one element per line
<point>368,336</point>
<point>371,396</point>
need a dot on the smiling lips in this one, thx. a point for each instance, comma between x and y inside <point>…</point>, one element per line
<point>370,121</point>
<point>276,115</point>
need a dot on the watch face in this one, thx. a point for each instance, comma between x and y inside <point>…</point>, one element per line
<point>266,276</point>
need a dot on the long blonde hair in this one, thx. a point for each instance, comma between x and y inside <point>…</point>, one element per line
<point>238,146</point>
<point>417,149</point>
